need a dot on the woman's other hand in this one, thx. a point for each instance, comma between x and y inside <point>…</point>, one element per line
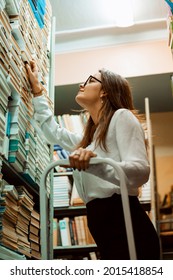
<point>32,71</point>
<point>80,158</point>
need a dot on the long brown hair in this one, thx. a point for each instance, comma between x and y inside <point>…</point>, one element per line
<point>118,96</point>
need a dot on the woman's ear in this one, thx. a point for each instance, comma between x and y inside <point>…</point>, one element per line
<point>103,94</point>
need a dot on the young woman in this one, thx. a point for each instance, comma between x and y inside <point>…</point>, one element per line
<point>113,131</point>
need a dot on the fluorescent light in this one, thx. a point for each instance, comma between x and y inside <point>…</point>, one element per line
<point>123,12</point>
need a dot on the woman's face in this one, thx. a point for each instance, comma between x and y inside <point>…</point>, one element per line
<point>89,94</point>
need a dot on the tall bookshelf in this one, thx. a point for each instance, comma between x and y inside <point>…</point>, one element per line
<point>165,209</point>
<point>25,30</point>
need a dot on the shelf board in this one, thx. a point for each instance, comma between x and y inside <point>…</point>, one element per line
<point>81,210</point>
<point>13,177</point>
<point>75,249</point>
<point>67,173</point>
<point>146,206</point>
<point>70,211</point>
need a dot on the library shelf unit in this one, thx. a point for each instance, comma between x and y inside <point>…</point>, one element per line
<point>27,31</point>
<point>14,178</point>
<point>165,213</point>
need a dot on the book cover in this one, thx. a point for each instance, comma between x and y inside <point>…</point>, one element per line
<point>65,232</point>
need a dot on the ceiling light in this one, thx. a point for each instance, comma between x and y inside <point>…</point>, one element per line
<point>123,12</point>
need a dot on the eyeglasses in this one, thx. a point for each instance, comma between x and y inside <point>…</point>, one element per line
<point>89,80</point>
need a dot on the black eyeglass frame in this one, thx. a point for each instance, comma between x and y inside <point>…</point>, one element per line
<point>91,77</point>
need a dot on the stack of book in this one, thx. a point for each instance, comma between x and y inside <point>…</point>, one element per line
<point>73,123</point>
<point>21,40</point>
<point>25,204</point>
<point>34,234</point>
<point>30,163</point>
<point>42,159</point>
<point>12,6</point>
<point>58,154</point>
<point>75,199</point>
<point>5,92</point>
<point>61,153</point>
<point>33,42</point>
<point>8,217</point>
<point>38,8</point>
<point>0,169</point>
<point>19,222</point>
<point>5,34</point>
<point>18,124</point>
<point>61,191</point>
<point>2,5</point>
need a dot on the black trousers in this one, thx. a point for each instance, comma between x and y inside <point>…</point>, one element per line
<point>107,226</point>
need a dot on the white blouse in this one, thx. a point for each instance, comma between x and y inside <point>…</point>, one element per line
<point>126,145</point>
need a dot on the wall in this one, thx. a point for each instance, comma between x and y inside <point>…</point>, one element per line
<point>143,58</point>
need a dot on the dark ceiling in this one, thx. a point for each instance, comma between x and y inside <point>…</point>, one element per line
<point>156,87</point>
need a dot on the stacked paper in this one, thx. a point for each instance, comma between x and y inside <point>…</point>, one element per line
<point>8,217</point>
<point>42,159</point>
<point>21,40</point>
<point>18,124</point>
<point>24,218</point>
<point>61,192</point>
<point>5,92</point>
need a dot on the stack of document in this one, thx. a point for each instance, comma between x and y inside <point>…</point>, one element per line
<point>18,124</point>
<point>42,159</point>
<point>30,164</point>
<point>25,205</point>
<point>61,191</point>
<point>5,92</point>
<point>22,39</point>
<point>8,217</point>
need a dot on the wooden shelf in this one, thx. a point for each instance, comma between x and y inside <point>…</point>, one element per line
<point>69,211</point>
<point>74,250</point>
<point>81,210</point>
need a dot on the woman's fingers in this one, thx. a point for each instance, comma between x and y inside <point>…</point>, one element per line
<point>33,65</point>
<point>32,71</point>
<point>80,159</point>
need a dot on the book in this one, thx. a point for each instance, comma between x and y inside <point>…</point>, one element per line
<point>78,230</point>
<point>75,200</point>
<point>10,189</point>
<point>65,231</point>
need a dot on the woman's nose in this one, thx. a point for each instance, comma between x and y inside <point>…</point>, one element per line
<point>81,85</point>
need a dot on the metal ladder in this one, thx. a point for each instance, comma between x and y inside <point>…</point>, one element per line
<point>44,215</point>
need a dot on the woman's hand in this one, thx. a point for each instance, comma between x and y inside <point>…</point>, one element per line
<point>33,77</point>
<point>80,159</point>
